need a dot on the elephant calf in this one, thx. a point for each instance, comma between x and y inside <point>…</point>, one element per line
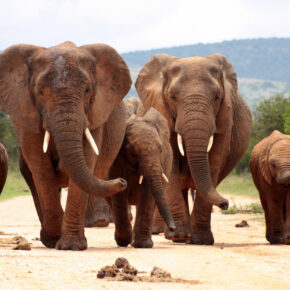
<point>144,160</point>
<point>3,166</point>
<point>270,167</point>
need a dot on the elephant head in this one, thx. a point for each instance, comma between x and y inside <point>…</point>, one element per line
<point>196,95</point>
<point>273,158</point>
<point>149,151</point>
<point>3,166</point>
<point>64,91</point>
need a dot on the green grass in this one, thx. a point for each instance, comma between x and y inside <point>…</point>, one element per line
<point>253,207</point>
<point>238,185</point>
<point>15,185</point>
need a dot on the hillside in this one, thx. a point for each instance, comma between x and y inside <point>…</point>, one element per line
<point>262,65</point>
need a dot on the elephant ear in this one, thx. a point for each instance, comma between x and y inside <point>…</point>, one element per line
<point>15,98</point>
<point>229,85</point>
<point>264,149</point>
<point>113,82</point>
<point>150,81</point>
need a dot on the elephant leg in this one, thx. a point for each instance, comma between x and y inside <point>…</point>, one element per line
<point>46,188</point>
<point>287,218</point>
<point>73,237</point>
<point>158,223</point>
<point>200,222</point>
<point>98,212</point>
<point>123,228</point>
<point>27,175</point>
<point>143,223</point>
<point>267,215</point>
<point>277,227</point>
<point>178,208</point>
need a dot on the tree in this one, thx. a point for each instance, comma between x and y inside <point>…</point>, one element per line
<point>286,117</point>
<point>7,137</point>
<point>269,115</point>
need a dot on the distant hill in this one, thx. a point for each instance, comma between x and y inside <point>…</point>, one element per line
<point>262,65</point>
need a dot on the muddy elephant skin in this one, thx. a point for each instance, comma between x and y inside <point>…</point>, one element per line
<point>199,98</point>
<point>270,168</point>
<point>144,161</point>
<point>65,105</point>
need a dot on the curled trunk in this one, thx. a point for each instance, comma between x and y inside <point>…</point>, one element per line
<point>196,142</point>
<point>68,138</point>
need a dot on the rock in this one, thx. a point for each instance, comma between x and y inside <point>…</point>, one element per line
<point>128,269</point>
<point>242,224</point>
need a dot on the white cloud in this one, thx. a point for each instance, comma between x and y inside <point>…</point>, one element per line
<point>133,25</point>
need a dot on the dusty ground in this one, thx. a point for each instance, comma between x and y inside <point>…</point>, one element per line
<point>240,259</point>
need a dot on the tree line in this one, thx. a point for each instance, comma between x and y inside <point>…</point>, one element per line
<point>268,115</point>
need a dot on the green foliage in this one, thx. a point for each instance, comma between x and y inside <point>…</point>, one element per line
<point>15,186</point>
<point>269,115</point>
<point>286,118</point>
<point>253,207</point>
<point>241,185</point>
<point>7,138</point>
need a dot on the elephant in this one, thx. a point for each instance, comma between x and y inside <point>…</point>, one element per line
<point>98,210</point>
<point>270,168</point>
<point>144,160</point>
<point>65,105</point>
<point>3,166</point>
<point>210,126</point>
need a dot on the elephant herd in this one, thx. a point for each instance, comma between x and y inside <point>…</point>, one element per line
<point>188,131</point>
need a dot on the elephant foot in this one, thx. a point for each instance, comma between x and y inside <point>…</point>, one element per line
<point>72,241</point>
<point>123,240</point>
<point>201,237</point>
<point>49,240</point>
<point>143,243</point>
<point>275,240</point>
<point>180,235</point>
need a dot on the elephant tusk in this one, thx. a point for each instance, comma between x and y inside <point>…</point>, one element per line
<point>140,179</point>
<point>45,141</point>
<point>165,177</point>
<point>91,141</point>
<point>210,142</point>
<point>180,146</point>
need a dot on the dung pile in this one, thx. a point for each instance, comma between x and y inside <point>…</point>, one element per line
<point>17,242</point>
<point>123,271</point>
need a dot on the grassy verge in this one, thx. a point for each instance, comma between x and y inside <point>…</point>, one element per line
<point>253,207</point>
<point>238,185</point>
<point>15,185</point>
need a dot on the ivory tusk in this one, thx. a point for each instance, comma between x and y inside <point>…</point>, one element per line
<point>140,179</point>
<point>165,177</point>
<point>91,141</point>
<point>210,142</point>
<point>45,141</point>
<point>180,146</point>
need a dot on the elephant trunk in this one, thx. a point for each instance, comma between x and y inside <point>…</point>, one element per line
<point>68,137</point>
<point>196,141</point>
<point>159,196</point>
<point>3,166</point>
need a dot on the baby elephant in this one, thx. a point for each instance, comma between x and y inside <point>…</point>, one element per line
<point>3,166</point>
<point>270,167</point>
<point>144,161</point>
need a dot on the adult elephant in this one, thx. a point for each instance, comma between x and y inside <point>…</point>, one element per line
<point>200,99</point>
<point>65,100</point>
<point>3,166</point>
<point>270,167</point>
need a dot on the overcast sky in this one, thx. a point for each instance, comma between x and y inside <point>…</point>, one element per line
<point>130,25</point>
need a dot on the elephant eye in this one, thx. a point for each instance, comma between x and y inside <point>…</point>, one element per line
<point>87,90</point>
<point>217,97</point>
<point>173,97</point>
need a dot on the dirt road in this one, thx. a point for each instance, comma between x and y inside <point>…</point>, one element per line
<point>240,259</point>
